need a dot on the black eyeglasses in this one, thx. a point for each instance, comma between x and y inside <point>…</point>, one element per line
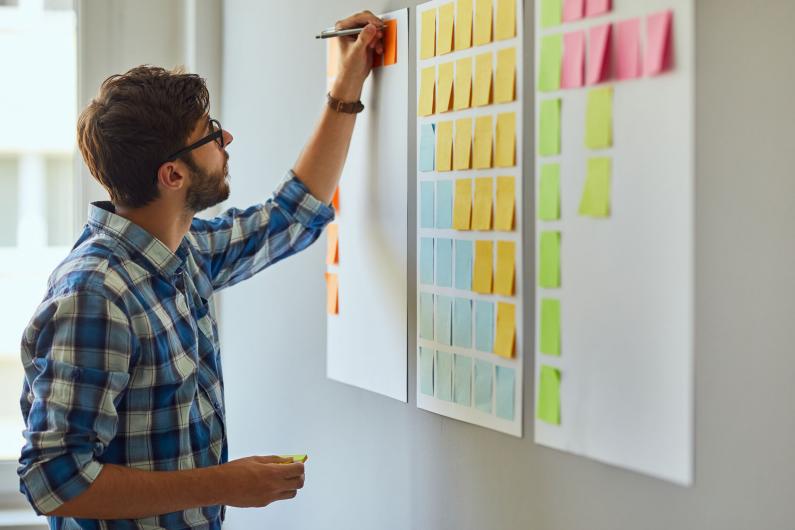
<point>216,134</point>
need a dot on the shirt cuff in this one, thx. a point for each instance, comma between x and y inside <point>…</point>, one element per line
<point>293,194</point>
<point>45,496</point>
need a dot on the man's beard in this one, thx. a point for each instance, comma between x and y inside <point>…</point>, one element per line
<point>206,189</point>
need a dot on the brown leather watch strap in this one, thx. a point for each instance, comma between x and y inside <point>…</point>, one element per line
<point>353,107</point>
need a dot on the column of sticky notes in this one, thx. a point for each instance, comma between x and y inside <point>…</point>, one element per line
<point>469,215</point>
<point>613,53</point>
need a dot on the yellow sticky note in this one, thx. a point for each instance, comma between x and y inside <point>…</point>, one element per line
<point>599,118</point>
<point>503,216</point>
<point>463,144</point>
<point>444,92</point>
<point>505,152</point>
<point>482,92</point>
<point>481,213</point>
<point>506,329</point>
<point>463,25</point>
<point>483,142</point>
<point>444,146</point>
<point>504,275</point>
<point>505,80</point>
<point>482,22</point>
<point>463,84</point>
<point>428,39</point>
<point>462,204</point>
<point>481,280</point>
<point>444,40</point>
<point>427,85</point>
<point>505,28</point>
<point>595,200</point>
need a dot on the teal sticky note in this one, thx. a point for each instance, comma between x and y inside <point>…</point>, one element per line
<point>426,260</point>
<point>426,371</point>
<point>463,265</point>
<point>506,381</point>
<point>484,326</point>
<point>444,262</point>
<point>426,316</point>
<point>462,380</point>
<point>462,323</point>
<point>444,375</point>
<point>427,147</point>
<point>444,204</point>
<point>444,319</point>
<point>426,204</point>
<point>483,385</point>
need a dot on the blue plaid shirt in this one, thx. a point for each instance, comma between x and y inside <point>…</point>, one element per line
<point>122,359</point>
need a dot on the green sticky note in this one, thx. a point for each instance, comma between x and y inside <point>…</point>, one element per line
<point>444,375</point>
<point>550,326</point>
<point>426,371</point>
<point>551,13</point>
<point>549,128</point>
<point>295,458</point>
<point>595,200</point>
<point>550,61</point>
<point>549,270</point>
<point>548,406</point>
<point>599,118</point>
<point>549,193</point>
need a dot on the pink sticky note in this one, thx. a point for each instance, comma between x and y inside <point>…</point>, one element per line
<point>628,49</point>
<point>573,59</point>
<point>658,43</point>
<point>572,10</point>
<point>597,7</point>
<point>598,58</point>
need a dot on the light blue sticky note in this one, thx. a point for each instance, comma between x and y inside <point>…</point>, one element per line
<point>444,262</point>
<point>444,319</point>
<point>426,260</point>
<point>462,323</point>
<point>484,326</point>
<point>506,380</point>
<point>426,204</point>
<point>463,265</point>
<point>444,204</point>
<point>462,380</point>
<point>426,371</point>
<point>427,147</point>
<point>426,316</point>
<point>483,385</point>
<point>444,375</point>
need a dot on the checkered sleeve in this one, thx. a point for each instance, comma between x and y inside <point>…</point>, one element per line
<point>76,353</point>
<point>240,243</point>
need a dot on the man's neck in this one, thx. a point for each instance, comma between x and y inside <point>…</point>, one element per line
<point>167,223</point>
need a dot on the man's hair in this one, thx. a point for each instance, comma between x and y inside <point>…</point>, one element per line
<point>137,120</point>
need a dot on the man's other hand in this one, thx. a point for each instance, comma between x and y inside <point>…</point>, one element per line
<point>257,481</point>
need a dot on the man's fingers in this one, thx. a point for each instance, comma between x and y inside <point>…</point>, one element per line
<point>272,459</point>
<point>294,483</point>
<point>289,494</point>
<point>358,20</point>
<point>291,471</point>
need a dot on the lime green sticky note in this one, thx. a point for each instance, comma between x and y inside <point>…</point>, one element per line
<point>595,200</point>
<point>551,13</point>
<point>549,270</point>
<point>549,128</point>
<point>295,458</point>
<point>548,405</point>
<point>550,61</point>
<point>549,193</point>
<point>550,326</point>
<point>599,118</point>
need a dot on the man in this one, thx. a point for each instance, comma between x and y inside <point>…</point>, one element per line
<point>123,393</point>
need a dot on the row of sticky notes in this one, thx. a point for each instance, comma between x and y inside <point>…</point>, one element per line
<point>562,57</point>
<point>451,321</point>
<point>553,12</point>
<point>455,90</point>
<point>548,401</point>
<point>468,382</point>
<point>595,201</point>
<point>440,208</point>
<point>473,270</point>
<point>450,27</point>
<point>598,122</point>
<point>462,148</point>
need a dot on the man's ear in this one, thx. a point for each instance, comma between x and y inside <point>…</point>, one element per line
<point>172,175</point>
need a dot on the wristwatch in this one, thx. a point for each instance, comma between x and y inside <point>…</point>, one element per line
<point>353,107</point>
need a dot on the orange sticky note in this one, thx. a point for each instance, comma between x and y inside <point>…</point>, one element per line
<point>335,200</point>
<point>332,244</point>
<point>483,142</point>
<point>444,94</point>
<point>332,294</point>
<point>482,90</point>
<point>463,83</point>
<point>389,56</point>
<point>504,214</point>
<point>444,40</point>
<point>481,213</point>
<point>444,145</point>
<point>462,204</point>
<point>506,140</point>
<point>505,81</point>
<point>427,85</point>
<point>505,27</point>
<point>481,280</point>
<point>428,35</point>
<point>463,25</point>
<point>482,22</point>
<point>504,275</point>
<point>463,144</point>
<point>504,339</point>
